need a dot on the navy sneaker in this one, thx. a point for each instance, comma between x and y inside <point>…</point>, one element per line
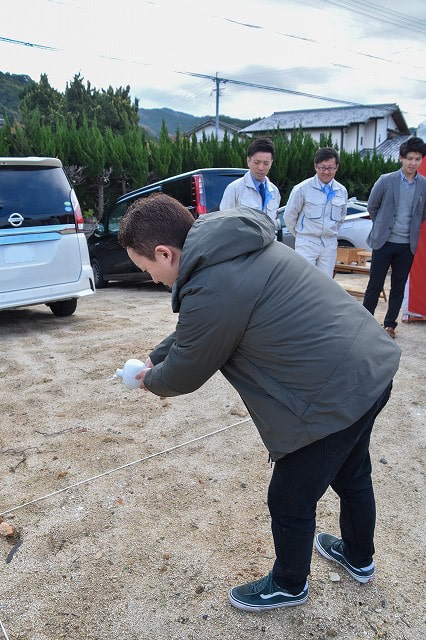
<point>264,594</point>
<point>332,548</point>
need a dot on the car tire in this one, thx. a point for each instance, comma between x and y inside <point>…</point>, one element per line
<point>98,275</point>
<point>345,243</point>
<point>63,308</point>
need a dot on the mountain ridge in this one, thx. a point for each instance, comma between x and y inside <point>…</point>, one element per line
<point>151,120</point>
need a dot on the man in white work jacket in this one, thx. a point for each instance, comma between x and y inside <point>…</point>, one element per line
<point>316,210</point>
<point>254,189</point>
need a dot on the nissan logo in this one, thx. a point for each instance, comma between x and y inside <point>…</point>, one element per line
<point>15,219</point>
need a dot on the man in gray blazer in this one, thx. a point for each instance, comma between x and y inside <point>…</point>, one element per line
<point>397,206</point>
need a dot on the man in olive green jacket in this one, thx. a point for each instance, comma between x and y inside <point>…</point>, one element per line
<point>311,364</point>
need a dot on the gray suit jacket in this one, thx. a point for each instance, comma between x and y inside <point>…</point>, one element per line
<point>382,207</point>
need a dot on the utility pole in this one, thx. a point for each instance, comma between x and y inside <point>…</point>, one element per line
<point>218,81</point>
<point>217,107</point>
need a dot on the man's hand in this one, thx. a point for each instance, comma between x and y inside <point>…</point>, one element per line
<point>141,375</point>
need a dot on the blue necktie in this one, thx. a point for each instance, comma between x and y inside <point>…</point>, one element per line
<point>328,190</point>
<point>262,192</point>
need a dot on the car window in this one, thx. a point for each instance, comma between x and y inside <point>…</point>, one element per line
<point>179,189</point>
<point>42,195</point>
<point>214,186</point>
<point>116,215</point>
<point>352,209</point>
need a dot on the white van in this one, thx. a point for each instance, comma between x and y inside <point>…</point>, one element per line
<point>44,257</point>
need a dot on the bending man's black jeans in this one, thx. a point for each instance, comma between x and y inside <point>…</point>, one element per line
<point>399,258</point>
<point>342,461</point>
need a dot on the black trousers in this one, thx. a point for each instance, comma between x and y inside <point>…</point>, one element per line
<point>399,258</point>
<point>342,461</point>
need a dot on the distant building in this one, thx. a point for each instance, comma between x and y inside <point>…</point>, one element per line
<point>389,149</point>
<point>208,128</point>
<point>363,128</point>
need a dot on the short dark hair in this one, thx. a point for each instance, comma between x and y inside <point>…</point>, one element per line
<point>415,145</point>
<point>326,153</point>
<point>261,144</point>
<point>157,219</point>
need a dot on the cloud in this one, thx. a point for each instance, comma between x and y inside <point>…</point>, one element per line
<point>309,46</point>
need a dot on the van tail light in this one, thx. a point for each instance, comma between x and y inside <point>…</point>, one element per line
<point>200,196</point>
<point>78,216</point>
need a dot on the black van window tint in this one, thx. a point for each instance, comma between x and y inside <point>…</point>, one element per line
<point>179,189</point>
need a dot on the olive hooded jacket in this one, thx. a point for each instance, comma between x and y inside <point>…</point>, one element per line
<point>306,358</point>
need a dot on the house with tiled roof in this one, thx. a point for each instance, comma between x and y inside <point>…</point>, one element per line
<point>389,149</point>
<point>208,128</point>
<point>360,128</point>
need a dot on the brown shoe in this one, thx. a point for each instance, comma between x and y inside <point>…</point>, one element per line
<point>390,331</point>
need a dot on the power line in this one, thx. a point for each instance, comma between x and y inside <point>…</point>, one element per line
<point>381,13</point>
<point>268,88</point>
<point>28,44</point>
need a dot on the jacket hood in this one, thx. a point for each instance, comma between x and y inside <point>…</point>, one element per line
<point>221,236</point>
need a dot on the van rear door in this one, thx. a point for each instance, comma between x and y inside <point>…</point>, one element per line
<point>38,244</point>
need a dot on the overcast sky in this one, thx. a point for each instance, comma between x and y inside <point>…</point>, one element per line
<point>352,50</point>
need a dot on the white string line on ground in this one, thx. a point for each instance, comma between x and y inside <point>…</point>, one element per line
<point>3,630</point>
<point>123,466</point>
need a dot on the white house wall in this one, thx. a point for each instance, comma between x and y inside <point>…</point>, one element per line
<point>344,139</point>
<point>350,138</point>
<point>208,131</point>
<point>382,129</point>
<point>356,137</point>
<point>370,135</point>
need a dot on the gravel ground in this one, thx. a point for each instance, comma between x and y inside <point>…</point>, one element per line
<point>133,515</point>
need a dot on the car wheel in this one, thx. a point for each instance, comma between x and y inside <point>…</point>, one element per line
<point>345,243</point>
<point>100,281</point>
<point>63,308</point>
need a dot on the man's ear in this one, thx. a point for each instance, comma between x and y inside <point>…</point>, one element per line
<point>164,252</point>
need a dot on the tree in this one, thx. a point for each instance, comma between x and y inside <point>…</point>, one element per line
<point>40,97</point>
<point>177,155</point>
<point>79,102</point>
<point>115,111</point>
<point>293,160</point>
<point>5,139</point>
<point>91,153</point>
<point>128,157</point>
<point>112,109</point>
<point>162,154</point>
<point>186,154</point>
<point>19,144</point>
<point>40,137</point>
<point>11,87</point>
